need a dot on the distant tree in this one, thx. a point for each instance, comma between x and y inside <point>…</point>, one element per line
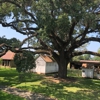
<point>82,57</point>
<point>3,39</point>
<point>14,42</point>
<point>96,57</point>
<point>87,57</point>
<point>11,42</point>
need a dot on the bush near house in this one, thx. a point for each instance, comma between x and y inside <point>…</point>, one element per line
<point>24,61</point>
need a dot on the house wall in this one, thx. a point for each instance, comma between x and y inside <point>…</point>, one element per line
<point>8,63</point>
<point>40,65</point>
<point>51,67</point>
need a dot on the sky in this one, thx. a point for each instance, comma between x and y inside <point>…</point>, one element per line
<point>9,33</point>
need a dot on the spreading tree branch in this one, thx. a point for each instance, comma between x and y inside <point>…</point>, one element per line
<point>45,46</point>
<point>70,33</point>
<point>85,52</point>
<point>37,50</point>
<point>12,26</point>
<point>79,43</point>
<point>26,39</point>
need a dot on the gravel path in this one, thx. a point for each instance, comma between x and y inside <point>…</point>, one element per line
<point>25,94</point>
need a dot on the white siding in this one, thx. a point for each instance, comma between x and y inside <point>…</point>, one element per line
<point>45,67</point>
<point>40,65</point>
<point>51,67</point>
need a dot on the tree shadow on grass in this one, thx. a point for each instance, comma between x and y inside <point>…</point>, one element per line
<point>8,77</point>
<point>86,83</point>
<point>13,78</point>
<point>8,72</point>
<point>13,81</point>
<point>89,89</point>
<point>61,94</point>
<point>6,96</point>
<point>80,82</point>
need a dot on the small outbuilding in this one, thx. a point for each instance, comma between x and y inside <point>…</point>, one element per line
<point>8,59</point>
<point>89,68</point>
<point>45,64</point>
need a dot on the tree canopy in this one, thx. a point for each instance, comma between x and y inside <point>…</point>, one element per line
<point>57,27</point>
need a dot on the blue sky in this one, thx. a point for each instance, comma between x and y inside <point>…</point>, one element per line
<point>9,33</point>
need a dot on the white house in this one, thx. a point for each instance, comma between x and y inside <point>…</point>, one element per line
<point>44,64</point>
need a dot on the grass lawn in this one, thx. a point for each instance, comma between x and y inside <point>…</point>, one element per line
<point>74,88</point>
<point>6,96</point>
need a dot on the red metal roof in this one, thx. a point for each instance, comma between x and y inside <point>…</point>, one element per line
<point>46,58</point>
<point>8,56</point>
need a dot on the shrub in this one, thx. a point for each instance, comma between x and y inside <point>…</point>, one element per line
<point>24,61</point>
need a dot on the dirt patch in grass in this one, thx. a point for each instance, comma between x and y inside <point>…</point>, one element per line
<point>58,80</point>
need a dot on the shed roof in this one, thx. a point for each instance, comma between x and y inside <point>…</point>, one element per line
<point>47,58</point>
<point>8,56</point>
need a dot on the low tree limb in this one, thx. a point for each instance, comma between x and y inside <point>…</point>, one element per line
<point>85,52</point>
<point>3,53</point>
<point>12,26</point>
<point>26,39</point>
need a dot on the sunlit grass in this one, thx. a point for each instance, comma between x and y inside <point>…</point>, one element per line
<point>72,89</point>
<point>28,84</point>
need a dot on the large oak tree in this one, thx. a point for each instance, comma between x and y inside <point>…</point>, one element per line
<point>57,27</point>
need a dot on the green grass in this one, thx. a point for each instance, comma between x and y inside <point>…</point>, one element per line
<point>75,88</point>
<point>6,96</point>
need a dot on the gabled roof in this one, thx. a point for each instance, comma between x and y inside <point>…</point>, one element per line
<point>47,58</point>
<point>8,56</point>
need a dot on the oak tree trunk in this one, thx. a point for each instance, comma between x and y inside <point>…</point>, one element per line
<point>63,62</point>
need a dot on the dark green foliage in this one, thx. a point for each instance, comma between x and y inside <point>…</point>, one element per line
<point>82,57</point>
<point>24,61</point>
<point>14,42</point>
<point>0,61</point>
<point>97,57</point>
<point>11,42</point>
